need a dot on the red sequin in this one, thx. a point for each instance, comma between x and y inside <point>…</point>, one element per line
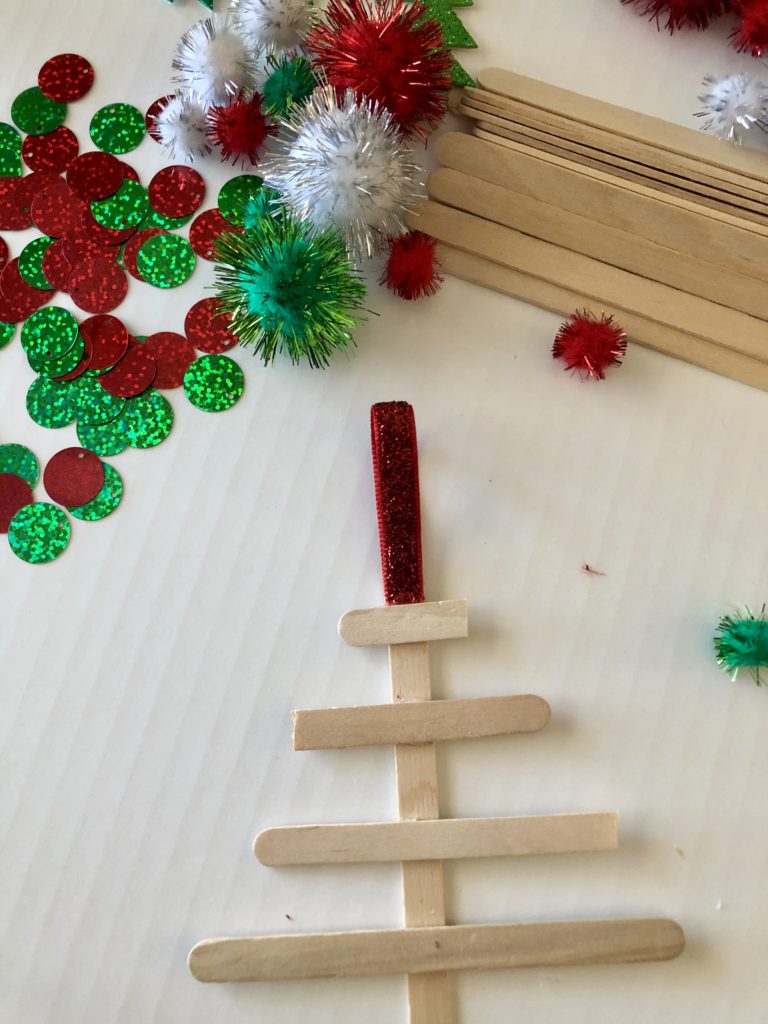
<point>95,175</point>
<point>52,152</point>
<point>18,300</point>
<point>79,244</point>
<point>205,229</point>
<point>97,285</point>
<point>132,247</point>
<point>73,477</point>
<point>65,78</point>
<point>133,374</point>
<point>3,253</point>
<point>173,355</point>
<point>15,493</point>
<point>108,338</point>
<point>208,328</point>
<point>107,236</point>
<point>130,172</point>
<point>176,191</point>
<point>56,266</point>
<point>33,184</point>
<point>151,114</point>
<point>13,217</point>
<point>85,361</point>
<point>56,210</point>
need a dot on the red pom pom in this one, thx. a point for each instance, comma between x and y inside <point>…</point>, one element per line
<point>239,129</point>
<point>751,34</point>
<point>388,52</point>
<point>411,271</point>
<point>680,13</point>
<point>588,346</point>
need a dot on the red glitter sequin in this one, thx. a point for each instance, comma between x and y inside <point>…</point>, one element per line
<point>18,300</point>
<point>56,266</point>
<point>52,152</point>
<point>78,245</point>
<point>3,253</point>
<point>133,374</point>
<point>56,210</point>
<point>95,175</point>
<point>65,78</point>
<point>132,247</point>
<point>208,329</point>
<point>107,236</point>
<point>97,285</point>
<point>108,338</point>
<point>396,480</point>
<point>33,184</point>
<point>176,191</point>
<point>73,477</point>
<point>205,229</point>
<point>85,361</point>
<point>130,172</point>
<point>13,216</point>
<point>15,493</point>
<point>173,355</point>
<point>151,114</point>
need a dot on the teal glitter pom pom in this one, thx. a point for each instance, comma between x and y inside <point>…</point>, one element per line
<point>289,290</point>
<point>291,81</point>
<point>741,641</point>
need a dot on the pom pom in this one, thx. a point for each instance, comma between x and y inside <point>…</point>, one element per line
<point>180,126</point>
<point>290,81</point>
<point>732,105</point>
<point>213,61</point>
<point>589,345</point>
<point>340,163</point>
<point>411,271</point>
<point>389,52</point>
<point>751,34</point>
<point>288,291</point>
<point>274,24</point>
<point>678,14</point>
<point>741,641</point>
<point>265,203</point>
<point>239,129</point>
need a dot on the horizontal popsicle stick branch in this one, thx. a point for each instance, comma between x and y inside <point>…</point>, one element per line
<point>405,624</point>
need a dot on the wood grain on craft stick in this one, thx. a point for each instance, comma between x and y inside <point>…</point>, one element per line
<point>404,623</point>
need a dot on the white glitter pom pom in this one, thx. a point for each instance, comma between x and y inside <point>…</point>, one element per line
<point>732,105</point>
<point>340,163</point>
<point>214,61</point>
<point>180,126</point>
<point>274,25</point>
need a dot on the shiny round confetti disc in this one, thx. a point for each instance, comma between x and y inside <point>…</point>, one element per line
<point>18,300</point>
<point>159,220</point>
<point>15,458</point>
<point>56,210</point>
<point>152,112</point>
<point>35,114</point>
<point>109,340</point>
<point>132,246</point>
<point>166,261</point>
<point>176,191</point>
<point>56,267</point>
<point>148,419</point>
<point>213,383</point>
<point>50,403</point>
<point>39,532</point>
<point>13,215</point>
<point>73,476</point>
<point>124,209</point>
<point>97,285</point>
<point>34,183</point>
<point>65,78</point>
<point>49,333</point>
<point>31,262</point>
<point>58,368</point>
<point>3,253</point>
<point>79,244</point>
<point>6,333</point>
<point>52,152</point>
<point>10,151</point>
<point>15,493</point>
<point>106,500</point>
<point>95,406</point>
<point>205,229</point>
<point>208,328</point>
<point>95,175</point>
<point>133,374</point>
<point>173,354</point>
<point>107,236</point>
<point>83,363</point>
<point>117,128</point>
<point>105,440</point>
<point>234,195</point>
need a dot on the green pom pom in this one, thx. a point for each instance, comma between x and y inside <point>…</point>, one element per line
<point>288,290</point>
<point>290,82</point>
<point>742,642</point>
<point>266,203</point>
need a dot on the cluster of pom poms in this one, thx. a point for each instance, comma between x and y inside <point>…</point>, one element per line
<point>589,345</point>
<point>750,34</point>
<point>741,641</point>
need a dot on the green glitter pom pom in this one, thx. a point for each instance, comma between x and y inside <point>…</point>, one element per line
<point>741,641</point>
<point>291,81</point>
<point>288,290</point>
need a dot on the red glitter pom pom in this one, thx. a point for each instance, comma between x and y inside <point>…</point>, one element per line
<point>239,129</point>
<point>589,345</point>
<point>412,271</point>
<point>388,52</point>
<point>751,34</point>
<point>678,14</point>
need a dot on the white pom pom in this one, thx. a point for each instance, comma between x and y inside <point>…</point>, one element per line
<point>341,164</point>
<point>733,105</point>
<point>274,24</point>
<point>180,127</point>
<point>213,60</point>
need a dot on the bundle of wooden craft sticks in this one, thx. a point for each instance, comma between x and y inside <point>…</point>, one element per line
<point>568,202</point>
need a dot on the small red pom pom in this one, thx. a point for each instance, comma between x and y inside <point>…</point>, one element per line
<point>389,52</point>
<point>680,13</point>
<point>239,129</point>
<point>751,34</point>
<point>588,346</point>
<point>412,271</point>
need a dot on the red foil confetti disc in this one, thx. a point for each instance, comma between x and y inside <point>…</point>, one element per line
<point>95,175</point>
<point>15,493</point>
<point>83,365</point>
<point>108,339</point>
<point>73,476</point>
<point>56,266</point>
<point>13,216</point>
<point>176,191</point>
<point>130,172</point>
<point>107,236</point>
<point>205,229</point>
<point>173,355</point>
<point>78,245</point>
<point>97,285</point>
<point>18,300</point>
<point>132,247</point>
<point>152,113</point>
<point>52,152</point>
<point>133,374</point>
<point>56,210</point>
<point>65,78</point>
<point>33,184</point>
<point>3,253</point>
<point>208,328</point>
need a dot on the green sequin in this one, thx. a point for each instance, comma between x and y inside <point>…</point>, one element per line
<point>166,261</point>
<point>49,334</point>
<point>106,500</point>
<point>105,440</point>
<point>155,219</point>
<point>7,331</point>
<point>50,403</point>
<point>213,383</point>
<point>118,128</point>
<point>16,459</point>
<point>148,419</point>
<point>63,365</point>
<point>31,263</point>
<point>95,406</point>
<point>10,152</point>
<point>39,532</point>
<point>125,208</point>
<point>35,114</point>
<point>234,195</point>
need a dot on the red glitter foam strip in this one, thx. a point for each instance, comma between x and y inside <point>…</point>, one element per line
<point>396,479</point>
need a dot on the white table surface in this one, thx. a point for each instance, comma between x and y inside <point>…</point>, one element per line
<point>147,676</point>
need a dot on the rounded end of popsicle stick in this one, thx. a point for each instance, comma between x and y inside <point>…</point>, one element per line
<point>262,846</point>
<point>196,962</point>
<point>675,939</point>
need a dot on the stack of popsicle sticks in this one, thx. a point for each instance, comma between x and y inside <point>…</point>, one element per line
<point>565,201</point>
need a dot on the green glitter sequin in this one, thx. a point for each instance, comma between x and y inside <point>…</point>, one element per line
<point>108,439</point>
<point>213,383</point>
<point>31,263</point>
<point>106,500</point>
<point>16,459</point>
<point>65,364</point>
<point>148,419</point>
<point>49,334</point>
<point>50,403</point>
<point>7,331</point>
<point>118,128</point>
<point>155,219</point>
<point>166,261</point>
<point>95,406</point>
<point>39,532</point>
<point>10,152</point>
<point>125,208</point>
<point>35,114</point>
<point>234,195</point>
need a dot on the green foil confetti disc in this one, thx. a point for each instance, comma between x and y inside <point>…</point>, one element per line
<point>155,219</point>
<point>16,459</point>
<point>50,403</point>
<point>106,500</point>
<point>95,406</point>
<point>213,383</point>
<point>31,263</point>
<point>49,334</point>
<point>125,208</point>
<point>35,114</point>
<point>148,419</point>
<point>62,366</point>
<point>234,196</point>
<point>7,331</point>
<point>166,261</point>
<point>106,440</point>
<point>10,152</point>
<point>39,532</point>
<point>118,128</point>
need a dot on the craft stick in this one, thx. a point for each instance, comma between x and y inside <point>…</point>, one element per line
<point>450,948</point>
<point>600,241</point>
<point>428,722</point>
<point>404,623</point>
<point>553,297</point>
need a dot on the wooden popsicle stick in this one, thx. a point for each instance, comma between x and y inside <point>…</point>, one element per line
<point>450,948</point>
<point>553,297</point>
<point>600,241</point>
<point>445,839</point>
<point>404,623</point>
<point>427,722</point>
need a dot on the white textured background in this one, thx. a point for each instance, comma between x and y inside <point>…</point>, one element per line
<point>146,678</point>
